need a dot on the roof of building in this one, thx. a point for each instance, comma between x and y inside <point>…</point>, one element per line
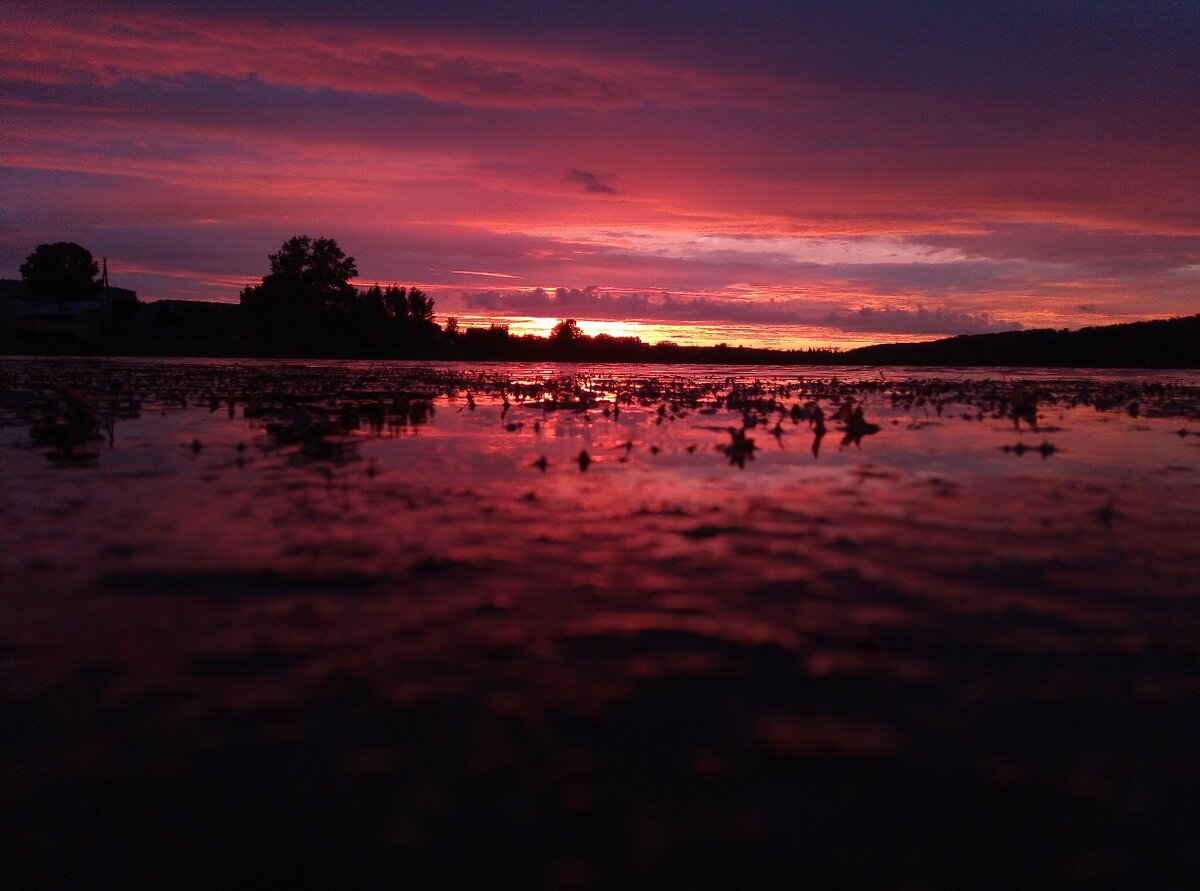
<point>13,290</point>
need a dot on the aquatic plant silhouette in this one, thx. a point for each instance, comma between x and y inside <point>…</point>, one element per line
<point>740,449</point>
<point>322,427</point>
<point>68,423</point>
<point>1024,407</point>
<point>777,431</point>
<point>817,423</point>
<point>1046,449</point>
<point>857,427</point>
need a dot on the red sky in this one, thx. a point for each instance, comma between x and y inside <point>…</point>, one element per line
<point>740,171</point>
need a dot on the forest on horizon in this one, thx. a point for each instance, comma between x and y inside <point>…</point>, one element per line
<point>306,307</point>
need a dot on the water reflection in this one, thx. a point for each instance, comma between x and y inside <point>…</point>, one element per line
<point>644,619</point>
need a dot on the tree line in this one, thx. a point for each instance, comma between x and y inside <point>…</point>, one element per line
<point>306,306</point>
<point>307,302</point>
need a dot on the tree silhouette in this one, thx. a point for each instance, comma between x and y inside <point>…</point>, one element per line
<point>394,307</point>
<point>61,271</point>
<point>420,306</point>
<point>566,330</point>
<point>316,271</point>
<point>307,306</point>
<point>309,279</point>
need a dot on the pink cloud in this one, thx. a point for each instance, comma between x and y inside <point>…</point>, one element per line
<point>109,48</point>
<point>593,303</point>
<point>191,147</point>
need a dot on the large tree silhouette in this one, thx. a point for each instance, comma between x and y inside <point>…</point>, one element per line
<point>61,271</point>
<point>309,279</point>
<point>312,272</point>
<point>307,305</point>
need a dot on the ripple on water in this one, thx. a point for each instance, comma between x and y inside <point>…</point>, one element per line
<point>359,618</point>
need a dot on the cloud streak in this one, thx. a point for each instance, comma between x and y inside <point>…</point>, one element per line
<point>106,48</point>
<point>594,303</point>
<point>590,182</point>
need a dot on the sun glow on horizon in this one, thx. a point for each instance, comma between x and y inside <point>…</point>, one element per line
<point>782,337</point>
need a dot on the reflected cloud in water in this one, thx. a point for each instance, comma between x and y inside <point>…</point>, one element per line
<point>362,588</point>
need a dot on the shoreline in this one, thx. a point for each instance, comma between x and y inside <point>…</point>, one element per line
<point>1154,345</point>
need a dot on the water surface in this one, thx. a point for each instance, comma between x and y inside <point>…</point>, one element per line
<point>379,621</point>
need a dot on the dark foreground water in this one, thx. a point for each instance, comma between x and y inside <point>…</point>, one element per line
<point>341,626</point>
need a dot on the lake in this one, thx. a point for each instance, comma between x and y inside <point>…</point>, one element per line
<point>565,626</point>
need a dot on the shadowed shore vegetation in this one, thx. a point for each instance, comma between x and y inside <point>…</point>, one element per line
<point>306,307</point>
<point>1162,343</point>
<point>371,328</point>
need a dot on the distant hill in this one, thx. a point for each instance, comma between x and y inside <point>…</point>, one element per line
<point>1165,343</point>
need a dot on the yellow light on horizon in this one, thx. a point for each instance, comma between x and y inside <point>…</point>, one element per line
<point>695,333</point>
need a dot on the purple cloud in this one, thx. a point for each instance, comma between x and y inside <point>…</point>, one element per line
<point>591,182</point>
<point>594,303</point>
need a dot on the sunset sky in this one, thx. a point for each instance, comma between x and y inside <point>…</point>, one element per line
<point>757,172</point>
